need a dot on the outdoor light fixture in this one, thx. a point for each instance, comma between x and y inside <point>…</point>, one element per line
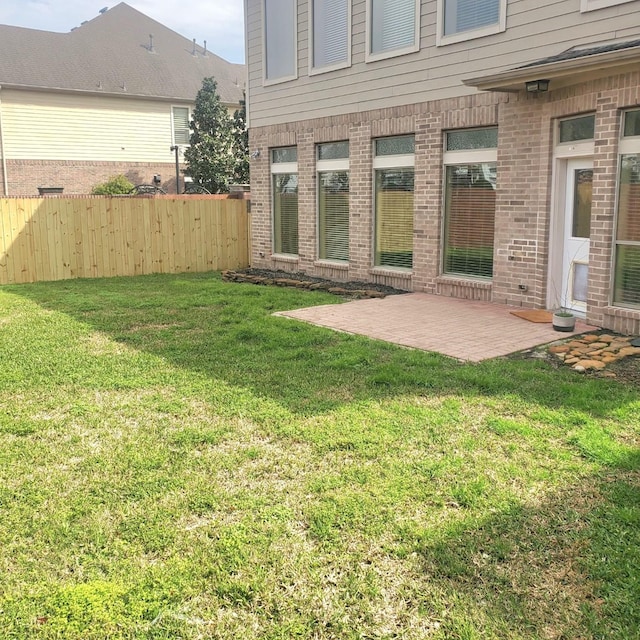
<point>537,86</point>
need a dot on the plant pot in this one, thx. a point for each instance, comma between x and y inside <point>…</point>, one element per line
<point>563,321</point>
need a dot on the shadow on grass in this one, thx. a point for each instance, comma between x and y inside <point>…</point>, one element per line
<point>227,332</point>
<point>566,568</point>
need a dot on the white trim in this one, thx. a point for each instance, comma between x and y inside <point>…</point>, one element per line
<point>314,71</point>
<point>569,150</point>
<point>383,55</point>
<point>489,30</point>
<point>266,82</point>
<point>592,5</point>
<point>395,162</point>
<point>173,125</point>
<point>284,167</point>
<point>341,164</point>
<point>469,156</point>
<point>629,145</point>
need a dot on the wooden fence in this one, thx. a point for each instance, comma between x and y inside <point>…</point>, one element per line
<point>57,238</point>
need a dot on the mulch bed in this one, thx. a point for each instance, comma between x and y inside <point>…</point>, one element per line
<point>301,280</point>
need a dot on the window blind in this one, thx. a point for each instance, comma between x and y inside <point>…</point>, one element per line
<point>280,38</point>
<point>181,130</point>
<point>393,24</point>
<point>333,215</point>
<point>627,268</point>
<point>470,204</point>
<point>330,32</point>
<point>464,15</point>
<point>394,218</point>
<point>285,213</point>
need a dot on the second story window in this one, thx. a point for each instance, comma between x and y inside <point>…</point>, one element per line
<point>465,19</point>
<point>181,130</point>
<point>280,42</point>
<point>393,27</point>
<point>331,34</point>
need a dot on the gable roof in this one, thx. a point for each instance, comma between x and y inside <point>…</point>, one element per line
<point>112,55</point>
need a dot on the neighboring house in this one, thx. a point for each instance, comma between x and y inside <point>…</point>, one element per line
<point>481,149</point>
<point>112,96</point>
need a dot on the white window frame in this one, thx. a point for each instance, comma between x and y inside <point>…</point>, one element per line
<point>266,81</point>
<point>400,161</point>
<point>373,57</point>
<point>628,145</point>
<point>489,30</point>
<point>452,159</point>
<point>173,124</point>
<point>313,70</point>
<point>593,5</point>
<point>280,168</point>
<point>325,166</point>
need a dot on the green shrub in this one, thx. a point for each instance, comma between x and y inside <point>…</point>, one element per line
<point>116,185</point>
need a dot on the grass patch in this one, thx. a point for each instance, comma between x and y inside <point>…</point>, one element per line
<point>176,462</point>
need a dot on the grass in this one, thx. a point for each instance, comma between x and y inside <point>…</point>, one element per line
<point>175,462</point>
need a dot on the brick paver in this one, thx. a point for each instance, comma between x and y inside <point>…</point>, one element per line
<point>463,329</point>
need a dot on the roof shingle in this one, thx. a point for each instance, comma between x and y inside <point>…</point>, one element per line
<point>111,54</point>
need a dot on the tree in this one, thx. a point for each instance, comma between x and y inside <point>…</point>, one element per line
<point>210,157</point>
<point>241,144</point>
<point>116,185</point>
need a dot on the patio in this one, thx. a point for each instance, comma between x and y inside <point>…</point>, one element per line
<point>463,329</point>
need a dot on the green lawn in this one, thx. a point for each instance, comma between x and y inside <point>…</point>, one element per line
<point>175,462</point>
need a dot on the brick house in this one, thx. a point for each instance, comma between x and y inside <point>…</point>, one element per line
<point>485,149</point>
<point>111,96</point>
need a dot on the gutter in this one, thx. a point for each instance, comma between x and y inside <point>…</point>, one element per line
<point>2,154</point>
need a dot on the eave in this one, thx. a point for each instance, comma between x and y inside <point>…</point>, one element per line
<point>561,73</point>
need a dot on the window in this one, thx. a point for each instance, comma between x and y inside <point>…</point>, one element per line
<point>393,202</point>
<point>284,175</point>
<point>280,42</point>
<point>626,289</point>
<point>577,129</point>
<point>331,31</point>
<point>333,201</point>
<point>181,129</point>
<point>592,5</point>
<point>466,19</point>
<point>469,202</point>
<point>393,27</point>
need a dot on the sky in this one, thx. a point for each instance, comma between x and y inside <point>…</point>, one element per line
<point>219,22</point>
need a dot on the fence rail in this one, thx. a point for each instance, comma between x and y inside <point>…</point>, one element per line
<point>59,238</point>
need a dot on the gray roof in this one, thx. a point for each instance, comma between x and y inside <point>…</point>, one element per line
<point>573,53</point>
<point>111,54</point>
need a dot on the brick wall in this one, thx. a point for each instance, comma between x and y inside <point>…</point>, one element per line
<point>523,213</point>
<point>25,176</point>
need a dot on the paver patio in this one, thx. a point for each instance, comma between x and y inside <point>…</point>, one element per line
<point>463,329</point>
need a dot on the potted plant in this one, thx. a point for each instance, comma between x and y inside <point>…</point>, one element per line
<point>563,320</point>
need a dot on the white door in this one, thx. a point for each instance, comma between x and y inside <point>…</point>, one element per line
<point>577,229</point>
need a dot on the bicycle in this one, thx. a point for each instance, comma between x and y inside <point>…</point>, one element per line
<point>191,188</point>
<point>147,189</point>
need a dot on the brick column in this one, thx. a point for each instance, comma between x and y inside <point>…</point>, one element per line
<point>607,134</point>
<point>306,201</point>
<point>427,223</point>
<point>360,201</point>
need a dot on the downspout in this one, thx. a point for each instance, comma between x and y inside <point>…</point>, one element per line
<point>4,159</point>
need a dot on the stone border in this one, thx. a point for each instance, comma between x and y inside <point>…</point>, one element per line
<point>312,285</point>
<point>593,351</point>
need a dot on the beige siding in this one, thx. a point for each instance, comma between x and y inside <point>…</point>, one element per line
<point>535,29</point>
<point>48,126</point>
